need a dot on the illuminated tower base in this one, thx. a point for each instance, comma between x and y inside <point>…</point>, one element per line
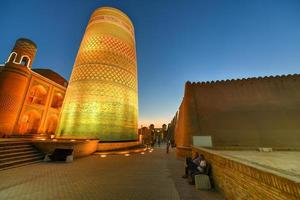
<point>101,100</point>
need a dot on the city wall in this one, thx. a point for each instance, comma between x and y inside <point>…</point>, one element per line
<point>254,112</point>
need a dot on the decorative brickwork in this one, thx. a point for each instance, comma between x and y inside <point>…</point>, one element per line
<point>25,47</point>
<point>8,103</point>
<point>240,181</point>
<point>101,100</point>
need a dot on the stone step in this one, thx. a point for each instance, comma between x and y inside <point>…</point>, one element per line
<point>21,146</point>
<point>23,136</point>
<point>20,157</point>
<point>12,150</point>
<point>19,163</point>
<point>12,143</point>
<point>18,153</point>
<point>29,136</point>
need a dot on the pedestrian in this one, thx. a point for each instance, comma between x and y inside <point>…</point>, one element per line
<point>168,145</point>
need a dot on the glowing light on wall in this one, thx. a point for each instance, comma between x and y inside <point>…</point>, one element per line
<point>101,100</point>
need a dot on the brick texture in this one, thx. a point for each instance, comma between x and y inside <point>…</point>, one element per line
<point>240,181</point>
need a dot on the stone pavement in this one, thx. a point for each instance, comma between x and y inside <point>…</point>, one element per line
<point>151,176</point>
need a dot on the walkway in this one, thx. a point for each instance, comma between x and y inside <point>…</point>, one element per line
<point>152,176</point>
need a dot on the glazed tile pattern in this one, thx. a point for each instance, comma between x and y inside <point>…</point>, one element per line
<point>101,100</point>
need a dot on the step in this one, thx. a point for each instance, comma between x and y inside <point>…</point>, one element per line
<point>22,135</point>
<point>20,157</point>
<point>21,146</point>
<point>21,161</point>
<point>6,151</point>
<point>10,143</point>
<point>16,153</point>
<point>21,165</point>
<point>26,136</point>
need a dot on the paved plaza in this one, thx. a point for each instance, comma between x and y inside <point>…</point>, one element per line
<point>155,175</point>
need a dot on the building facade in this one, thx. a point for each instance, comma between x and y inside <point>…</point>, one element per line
<point>30,99</point>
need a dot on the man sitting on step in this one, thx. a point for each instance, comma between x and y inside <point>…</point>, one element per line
<point>203,168</point>
<point>191,164</point>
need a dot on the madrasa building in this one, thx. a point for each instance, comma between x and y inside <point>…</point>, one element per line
<point>30,99</point>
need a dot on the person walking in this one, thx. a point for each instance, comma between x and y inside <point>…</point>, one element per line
<point>168,145</point>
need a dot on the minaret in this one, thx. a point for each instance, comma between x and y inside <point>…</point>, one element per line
<point>101,100</point>
<point>14,80</point>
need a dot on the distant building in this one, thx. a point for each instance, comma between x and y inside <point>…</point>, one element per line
<point>146,135</point>
<point>151,135</point>
<point>30,99</point>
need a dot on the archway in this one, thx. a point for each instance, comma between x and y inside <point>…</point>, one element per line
<point>57,100</point>
<point>51,124</point>
<point>25,61</point>
<point>30,122</point>
<point>37,95</point>
<point>12,57</point>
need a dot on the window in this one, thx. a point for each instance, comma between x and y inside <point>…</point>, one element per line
<point>12,57</point>
<point>37,95</point>
<point>25,61</point>
<point>57,101</point>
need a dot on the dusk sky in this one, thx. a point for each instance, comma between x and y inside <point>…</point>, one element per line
<point>176,41</point>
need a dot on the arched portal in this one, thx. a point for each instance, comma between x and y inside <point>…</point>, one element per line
<point>25,61</point>
<point>37,95</point>
<point>30,122</point>
<point>57,100</point>
<point>12,57</point>
<point>51,124</point>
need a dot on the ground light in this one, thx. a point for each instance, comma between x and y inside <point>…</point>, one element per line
<point>103,156</point>
<point>124,152</point>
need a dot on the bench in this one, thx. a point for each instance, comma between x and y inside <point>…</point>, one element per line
<point>203,181</point>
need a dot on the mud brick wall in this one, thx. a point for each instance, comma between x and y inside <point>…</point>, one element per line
<point>254,112</point>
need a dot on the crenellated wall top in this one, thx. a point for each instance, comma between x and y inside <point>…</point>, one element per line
<point>243,80</point>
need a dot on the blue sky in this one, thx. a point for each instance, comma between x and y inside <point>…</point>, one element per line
<point>196,40</point>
